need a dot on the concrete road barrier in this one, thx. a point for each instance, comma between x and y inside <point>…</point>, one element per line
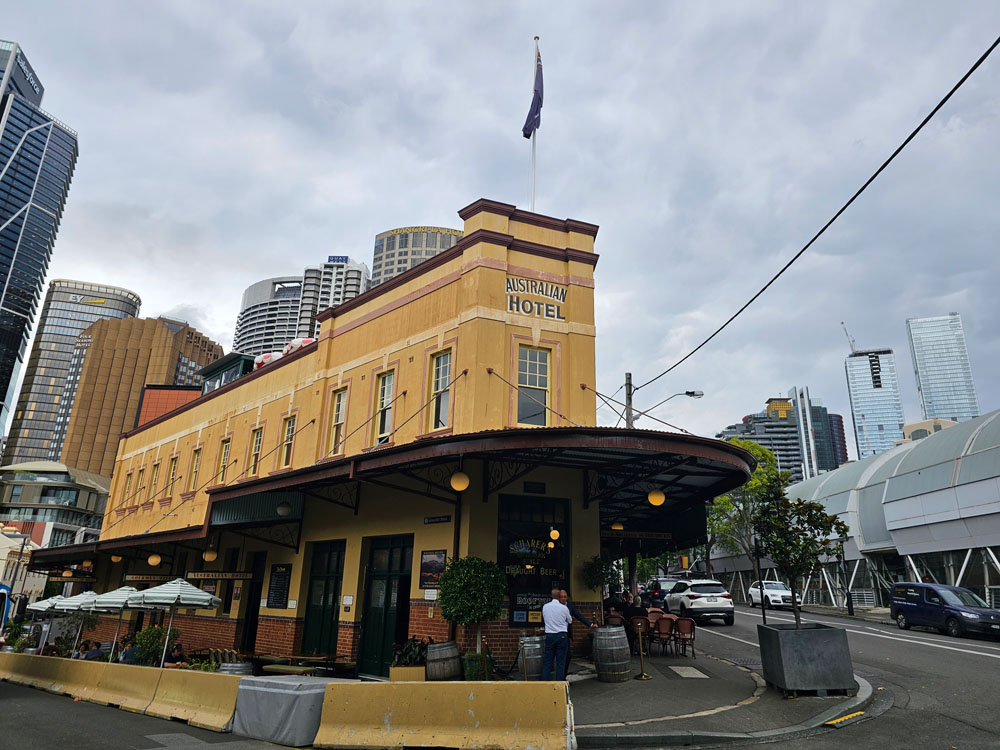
<point>75,677</point>
<point>27,669</point>
<point>202,699</point>
<point>447,714</point>
<point>131,688</point>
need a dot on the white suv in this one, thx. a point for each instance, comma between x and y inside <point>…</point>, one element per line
<point>775,594</point>
<point>701,599</point>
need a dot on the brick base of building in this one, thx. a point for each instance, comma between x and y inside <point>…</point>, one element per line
<point>281,636</point>
<point>196,633</point>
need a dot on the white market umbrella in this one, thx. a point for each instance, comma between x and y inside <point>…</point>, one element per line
<point>177,593</point>
<point>45,606</point>
<point>75,604</point>
<point>112,601</point>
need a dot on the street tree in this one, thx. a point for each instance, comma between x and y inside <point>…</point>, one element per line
<point>732,518</point>
<point>797,535</point>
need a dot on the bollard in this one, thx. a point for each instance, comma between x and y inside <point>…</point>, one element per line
<point>642,664</point>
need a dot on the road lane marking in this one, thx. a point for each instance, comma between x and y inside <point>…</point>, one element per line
<point>918,641</point>
<point>730,637</point>
<point>931,639</point>
<point>689,672</point>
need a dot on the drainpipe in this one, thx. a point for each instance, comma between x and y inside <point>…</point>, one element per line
<point>452,628</point>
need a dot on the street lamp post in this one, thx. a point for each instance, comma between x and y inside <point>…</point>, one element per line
<point>631,417</point>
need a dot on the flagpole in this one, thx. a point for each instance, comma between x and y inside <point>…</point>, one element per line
<point>534,135</point>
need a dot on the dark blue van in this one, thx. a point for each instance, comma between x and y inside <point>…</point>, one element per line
<point>950,609</point>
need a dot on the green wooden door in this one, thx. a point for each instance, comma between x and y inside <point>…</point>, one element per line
<point>323,605</point>
<point>386,617</point>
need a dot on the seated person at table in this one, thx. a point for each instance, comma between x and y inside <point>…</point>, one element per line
<point>83,649</point>
<point>636,610</point>
<point>614,603</point>
<point>175,658</point>
<point>94,653</point>
<point>130,654</point>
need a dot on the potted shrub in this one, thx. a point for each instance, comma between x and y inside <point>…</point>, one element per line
<point>796,536</point>
<point>472,592</point>
<point>409,660</point>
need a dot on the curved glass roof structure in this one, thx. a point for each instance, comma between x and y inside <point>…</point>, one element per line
<point>939,493</point>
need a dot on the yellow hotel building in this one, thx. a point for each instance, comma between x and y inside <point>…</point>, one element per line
<point>447,412</point>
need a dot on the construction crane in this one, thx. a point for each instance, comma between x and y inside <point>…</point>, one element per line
<point>850,338</point>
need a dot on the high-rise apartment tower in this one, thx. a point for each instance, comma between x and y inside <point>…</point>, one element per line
<point>399,250</point>
<point>69,308</point>
<point>941,367</point>
<point>873,388</point>
<point>37,157</point>
<point>275,311</point>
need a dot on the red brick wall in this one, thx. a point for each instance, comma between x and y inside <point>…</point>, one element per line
<point>422,626</point>
<point>197,633</point>
<point>347,640</point>
<point>279,635</point>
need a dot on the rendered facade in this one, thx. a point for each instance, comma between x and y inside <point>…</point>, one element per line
<point>37,157</point>
<point>876,407</point>
<point>941,367</point>
<point>398,250</point>
<point>40,418</point>
<point>438,415</point>
<point>112,362</point>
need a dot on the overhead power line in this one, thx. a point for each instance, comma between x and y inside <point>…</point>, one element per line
<point>836,216</point>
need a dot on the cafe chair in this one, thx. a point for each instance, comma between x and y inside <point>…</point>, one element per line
<point>654,615</point>
<point>663,634</point>
<point>614,620</point>
<point>684,635</point>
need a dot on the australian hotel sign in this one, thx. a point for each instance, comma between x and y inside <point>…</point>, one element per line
<point>539,299</point>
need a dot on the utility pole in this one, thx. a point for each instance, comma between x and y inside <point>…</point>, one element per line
<point>629,422</point>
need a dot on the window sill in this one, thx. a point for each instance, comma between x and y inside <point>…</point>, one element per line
<point>188,495</point>
<point>147,506</point>
<point>283,470</point>
<point>165,502</point>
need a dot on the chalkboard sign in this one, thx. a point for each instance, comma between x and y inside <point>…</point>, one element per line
<point>277,588</point>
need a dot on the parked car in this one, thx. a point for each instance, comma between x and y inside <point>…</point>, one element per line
<point>701,599</point>
<point>656,589</point>
<point>950,609</point>
<point>773,593</point>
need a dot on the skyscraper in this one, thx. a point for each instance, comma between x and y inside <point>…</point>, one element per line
<point>774,428</point>
<point>941,367</point>
<point>839,437</point>
<point>816,438</point>
<point>69,307</point>
<point>275,311</point>
<point>398,250</point>
<point>37,157</point>
<point>112,362</point>
<point>876,407</point>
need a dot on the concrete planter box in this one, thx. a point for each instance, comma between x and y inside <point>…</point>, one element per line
<point>812,658</point>
<point>407,674</point>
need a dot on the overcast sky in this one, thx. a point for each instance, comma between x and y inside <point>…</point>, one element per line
<point>226,142</point>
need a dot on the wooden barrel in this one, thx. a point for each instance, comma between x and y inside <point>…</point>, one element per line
<point>443,661</point>
<point>611,654</point>
<point>240,668</point>
<point>533,651</point>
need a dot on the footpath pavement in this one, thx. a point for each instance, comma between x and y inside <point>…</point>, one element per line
<point>696,700</point>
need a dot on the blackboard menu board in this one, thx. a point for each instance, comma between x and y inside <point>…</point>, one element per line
<point>277,587</point>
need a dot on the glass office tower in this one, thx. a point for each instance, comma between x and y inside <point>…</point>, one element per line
<point>941,367</point>
<point>37,157</point>
<point>39,419</point>
<point>877,409</point>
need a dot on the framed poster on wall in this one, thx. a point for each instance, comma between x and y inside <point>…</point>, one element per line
<point>431,567</point>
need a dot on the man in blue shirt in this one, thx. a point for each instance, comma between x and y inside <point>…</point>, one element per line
<point>557,621</point>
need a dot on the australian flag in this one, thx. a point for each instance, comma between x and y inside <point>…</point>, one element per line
<point>534,119</point>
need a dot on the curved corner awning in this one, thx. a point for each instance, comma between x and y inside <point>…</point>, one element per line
<point>618,467</point>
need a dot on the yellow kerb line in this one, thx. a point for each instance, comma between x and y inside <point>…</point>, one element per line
<point>834,722</point>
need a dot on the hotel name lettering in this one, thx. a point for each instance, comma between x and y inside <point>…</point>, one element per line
<point>520,292</point>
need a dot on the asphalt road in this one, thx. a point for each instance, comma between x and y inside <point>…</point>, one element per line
<point>35,720</point>
<point>945,691</point>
